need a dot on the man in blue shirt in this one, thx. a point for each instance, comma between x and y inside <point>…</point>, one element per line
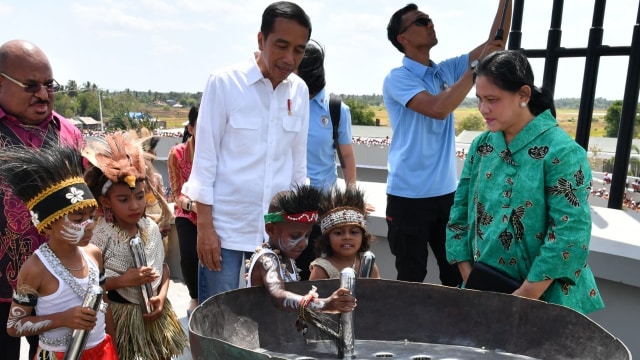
<point>321,163</point>
<point>420,97</point>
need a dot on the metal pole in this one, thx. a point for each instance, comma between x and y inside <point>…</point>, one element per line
<point>553,44</point>
<point>366,264</point>
<point>100,105</point>
<point>348,281</point>
<point>139,260</point>
<point>592,63</point>
<point>515,38</point>
<point>92,300</point>
<point>627,120</point>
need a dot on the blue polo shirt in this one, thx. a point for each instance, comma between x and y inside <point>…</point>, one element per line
<point>321,161</point>
<point>422,161</point>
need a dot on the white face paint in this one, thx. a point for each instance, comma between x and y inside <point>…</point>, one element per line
<point>290,243</point>
<point>72,232</point>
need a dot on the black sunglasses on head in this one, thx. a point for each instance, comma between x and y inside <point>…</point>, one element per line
<point>422,22</point>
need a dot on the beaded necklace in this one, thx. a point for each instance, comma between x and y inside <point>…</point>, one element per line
<point>78,268</point>
<point>65,275</point>
<point>287,275</point>
<point>62,272</point>
<point>124,235</point>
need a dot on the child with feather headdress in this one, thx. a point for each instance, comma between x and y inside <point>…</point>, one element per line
<point>54,281</point>
<point>118,180</point>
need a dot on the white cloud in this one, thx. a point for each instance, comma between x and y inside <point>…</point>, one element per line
<point>6,9</point>
<point>161,46</point>
<point>130,44</point>
<point>159,6</point>
<point>111,15</point>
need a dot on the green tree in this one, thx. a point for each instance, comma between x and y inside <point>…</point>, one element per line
<point>472,122</point>
<point>72,88</point>
<point>612,118</point>
<point>88,105</point>
<point>361,114</point>
<point>594,161</point>
<point>65,105</point>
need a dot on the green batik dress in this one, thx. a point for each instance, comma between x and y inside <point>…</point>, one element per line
<point>522,209</point>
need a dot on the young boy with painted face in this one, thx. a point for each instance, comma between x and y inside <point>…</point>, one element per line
<point>288,224</point>
<point>55,280</point>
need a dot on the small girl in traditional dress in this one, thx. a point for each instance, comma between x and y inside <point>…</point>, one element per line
<point>344,234</point>
<point>118,180</point>
<point>55,280</point>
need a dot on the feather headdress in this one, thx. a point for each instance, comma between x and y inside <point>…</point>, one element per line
<point>119,156</point>
<point>48,180</point>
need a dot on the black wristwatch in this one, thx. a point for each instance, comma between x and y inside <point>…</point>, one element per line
<point>188,207</point>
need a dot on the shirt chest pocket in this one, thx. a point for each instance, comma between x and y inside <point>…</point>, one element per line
<point>243,132</point>
<point>292,124</point>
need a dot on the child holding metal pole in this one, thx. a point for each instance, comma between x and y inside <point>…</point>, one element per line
<point>118,180</point>
<point>55,280</point>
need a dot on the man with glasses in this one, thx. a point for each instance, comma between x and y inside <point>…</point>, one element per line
<point>27,118</point>
<point>420,97</point>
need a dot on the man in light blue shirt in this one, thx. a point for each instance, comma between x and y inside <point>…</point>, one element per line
<point>321,163</point>
<point>420,97</point>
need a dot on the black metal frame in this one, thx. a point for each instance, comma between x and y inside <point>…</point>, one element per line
<point>592,54</point>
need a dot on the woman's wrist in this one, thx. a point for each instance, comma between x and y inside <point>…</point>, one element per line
<point>185,203</point>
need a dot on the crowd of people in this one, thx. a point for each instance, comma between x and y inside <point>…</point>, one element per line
<point>256,192</point>
<point>630,199</point>
<point>372,141</point>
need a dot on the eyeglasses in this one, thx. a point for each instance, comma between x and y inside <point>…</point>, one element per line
<point>422,22</point>
<point>51,87</point>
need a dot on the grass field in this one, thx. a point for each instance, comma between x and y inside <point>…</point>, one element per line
<point>568,118</point>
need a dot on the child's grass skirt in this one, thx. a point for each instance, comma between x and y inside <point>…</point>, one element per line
<point>136,338</point>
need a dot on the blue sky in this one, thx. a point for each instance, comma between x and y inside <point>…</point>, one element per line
<point>172,45</point>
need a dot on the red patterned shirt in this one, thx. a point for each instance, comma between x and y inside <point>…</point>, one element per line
<point>179,166</point>
<point>18,237</point>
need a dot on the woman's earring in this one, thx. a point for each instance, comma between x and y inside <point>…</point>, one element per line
<point>108,215</point>
<point>523,104</point>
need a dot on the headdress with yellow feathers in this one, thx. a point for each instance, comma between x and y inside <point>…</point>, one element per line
<point>120,159</point>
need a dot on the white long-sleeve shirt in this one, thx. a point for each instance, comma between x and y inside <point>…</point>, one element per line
<point>251,142</point>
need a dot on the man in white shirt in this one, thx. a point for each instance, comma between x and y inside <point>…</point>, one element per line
<point>252,143</point>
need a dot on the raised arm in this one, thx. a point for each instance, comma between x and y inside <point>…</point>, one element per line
<point>492,44</point>
<point>441,105</point>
